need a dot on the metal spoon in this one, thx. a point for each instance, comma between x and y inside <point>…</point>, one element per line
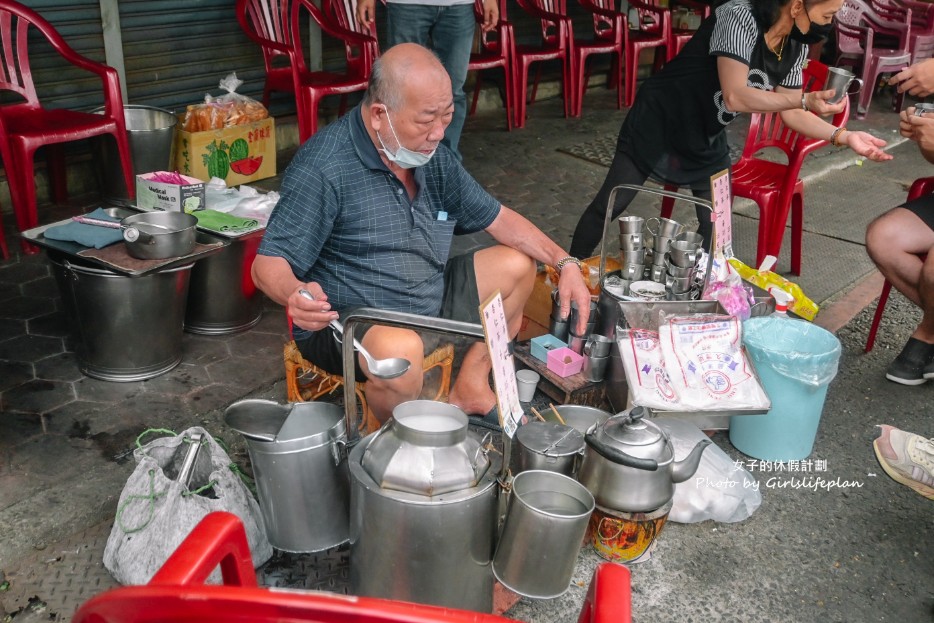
<point>380,368</point>
<point>131,233</point>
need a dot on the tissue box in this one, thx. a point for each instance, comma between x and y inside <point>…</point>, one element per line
<point>542,344</point>
<point>152,195</point>
<point>557,362</point>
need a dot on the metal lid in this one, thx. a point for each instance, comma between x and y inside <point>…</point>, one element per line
<point>425,449</point>
<point>636,436</point>
<point>550,439</point>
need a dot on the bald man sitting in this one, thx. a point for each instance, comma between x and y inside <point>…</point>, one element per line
<point>368,209</point>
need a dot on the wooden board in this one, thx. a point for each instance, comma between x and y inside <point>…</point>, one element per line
<point>574,389</point>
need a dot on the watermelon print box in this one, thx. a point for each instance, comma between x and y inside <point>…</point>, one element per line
<point>237,154</point>
<point>153,195</point>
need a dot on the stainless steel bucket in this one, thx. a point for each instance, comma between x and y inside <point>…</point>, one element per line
<point>546,519</point>
<point>302,482</point>
<point>426,549</point>
<point>125,328</point>
<point>222,298</point>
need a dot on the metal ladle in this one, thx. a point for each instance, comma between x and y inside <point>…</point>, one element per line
<point>131,233</point>
<point>380,368</point>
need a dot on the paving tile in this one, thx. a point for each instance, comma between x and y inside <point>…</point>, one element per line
<point>201,350</point>
<point>30,348</point>
<point>96,390</point>
<point>51,325</point>
<point>181,380</point>
<point>247,376</point>
<point>215,396</point>
<point>59,367</point>
<point>29,268</point>
<point>38,396</point>
<point>80,419</point>
<point>10,328</point>
<point>26,307</point>
<point>255,345</point>
<point>14,373</point>
<point>44,287</point>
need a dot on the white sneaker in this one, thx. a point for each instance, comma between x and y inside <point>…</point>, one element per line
<point>907,458</point>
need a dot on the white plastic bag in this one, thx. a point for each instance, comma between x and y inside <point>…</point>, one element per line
<point>156,511</point>
<point>719,490</point>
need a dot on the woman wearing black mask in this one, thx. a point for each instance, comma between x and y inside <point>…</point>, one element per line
<point>747,57</point>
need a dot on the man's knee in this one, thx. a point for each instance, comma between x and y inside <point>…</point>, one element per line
<point>882,236</point>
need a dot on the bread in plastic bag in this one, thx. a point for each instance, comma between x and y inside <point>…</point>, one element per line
<point>224,111</point>
<point>720,489</point>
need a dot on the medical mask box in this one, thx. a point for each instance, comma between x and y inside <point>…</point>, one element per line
<point>236,154</point>
<point>155,195</point>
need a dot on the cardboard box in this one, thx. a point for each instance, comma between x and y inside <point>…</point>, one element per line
<point>152,195</point>
<point>242,153</point>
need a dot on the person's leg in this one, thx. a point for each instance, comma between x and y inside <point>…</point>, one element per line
<point>513,274</point>
<point>894,242</point>
<point>589,230</point>
<point>409,23</point>
<point>704,225</point>
<point>383,395</point>
<point>452,38</point>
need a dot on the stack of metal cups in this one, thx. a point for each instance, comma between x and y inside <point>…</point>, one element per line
<point>631,248</point>
<point>596,355</point>
<point>576,342</point>
<point>558,326</point>
<point>681,265</point>
<point>662,236</point>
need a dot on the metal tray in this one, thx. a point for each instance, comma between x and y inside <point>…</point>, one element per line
<point>214,232</point>
<point>73,250</point>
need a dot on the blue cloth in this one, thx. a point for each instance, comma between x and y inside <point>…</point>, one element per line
<point>344,220</point>
<point>447,27</point>
<point>87,235</point>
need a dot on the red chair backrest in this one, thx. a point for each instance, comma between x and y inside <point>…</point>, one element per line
<point>553,34</point>
<point>268,22</point>
<point>492,41</point>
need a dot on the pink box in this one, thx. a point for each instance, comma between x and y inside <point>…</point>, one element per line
<point>557,361</point>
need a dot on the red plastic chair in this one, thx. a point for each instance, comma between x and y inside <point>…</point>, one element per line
<point>652,32</point>
<point>26,125</point>
<point>177,592</point>
<point>557,43</point>
<point>856,26</point>
<point>269,20</point>
<point>261,20</point>
<point>920,187</point>
<point>775,186</point>
<point>496,49</point>
<point>611,36</point>
<point>921,37</point>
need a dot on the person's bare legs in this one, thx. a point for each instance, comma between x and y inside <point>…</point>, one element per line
<point>384,395</point>
<point>513,274</point>
<point>894,241</point>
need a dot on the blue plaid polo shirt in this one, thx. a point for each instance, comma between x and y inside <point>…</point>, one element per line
<point>345,221</point>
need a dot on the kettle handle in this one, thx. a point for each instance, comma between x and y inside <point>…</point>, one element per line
<point>617,456</point>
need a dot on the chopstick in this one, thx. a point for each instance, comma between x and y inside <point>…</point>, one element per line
<point>557,415</point>
<point>537,414</point>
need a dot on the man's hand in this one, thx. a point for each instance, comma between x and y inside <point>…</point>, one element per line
<point>490,14</point>
<point>865,145</point>
<point>366,13</point>
<point>918,129</point>
<point>571,287</point>
<point>818,104</point>
<point>309,308</point>
<point>917,80</point>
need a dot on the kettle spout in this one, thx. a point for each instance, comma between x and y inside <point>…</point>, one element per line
<point>685,468</point>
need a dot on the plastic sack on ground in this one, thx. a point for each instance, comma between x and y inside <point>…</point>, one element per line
<point>243,201</point>
<point>793,348</point>
<point>156,511</point>
<point>719,490</point>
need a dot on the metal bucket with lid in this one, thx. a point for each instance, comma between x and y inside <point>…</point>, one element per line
<point>549,446</point>
<point>423,509</point>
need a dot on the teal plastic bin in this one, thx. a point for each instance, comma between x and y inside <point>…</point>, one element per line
<point>796,362</point>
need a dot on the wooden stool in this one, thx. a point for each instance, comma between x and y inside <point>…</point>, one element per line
<point>306,382</point>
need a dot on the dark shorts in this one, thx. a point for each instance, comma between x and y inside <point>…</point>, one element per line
<point>461,301</point>
<point>923,207</point>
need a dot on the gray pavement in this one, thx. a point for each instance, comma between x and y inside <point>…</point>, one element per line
<point>860,553</point>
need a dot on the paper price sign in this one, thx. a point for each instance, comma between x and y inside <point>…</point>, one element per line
<point>504,366</point>
<point>722,213</point>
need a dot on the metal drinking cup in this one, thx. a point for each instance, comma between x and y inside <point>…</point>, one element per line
<point>632,272</point>
<point>681,296</point>
<point>661,245</point>
<point>630,224</point>
<point>630,242</point>
<point>682,253</point>
<point>595,368</point>
<point>678,285</point>
<point>632,257</point>
<point>839,80</point>
<point>576,342</point>
<point>666,228</point>
<point>658,254</point>
<point>923,109</point>
<point>573,317</point>
<point>690,236</point>
<point>680,271</point>
<point>597,345</point>
<point>658,273</point>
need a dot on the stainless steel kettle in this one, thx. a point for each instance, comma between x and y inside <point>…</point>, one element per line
<point>629,463</point>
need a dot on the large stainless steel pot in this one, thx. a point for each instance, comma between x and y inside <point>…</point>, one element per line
<point>174,237</point>
<point>629,464</point>
<point>423,510</point>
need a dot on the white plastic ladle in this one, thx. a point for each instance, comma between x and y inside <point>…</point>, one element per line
<point>380,368</point>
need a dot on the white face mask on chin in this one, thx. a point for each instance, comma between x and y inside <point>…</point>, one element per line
<point>405,158</point>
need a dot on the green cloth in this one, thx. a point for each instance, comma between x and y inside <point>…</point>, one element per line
<point>218,221</point>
